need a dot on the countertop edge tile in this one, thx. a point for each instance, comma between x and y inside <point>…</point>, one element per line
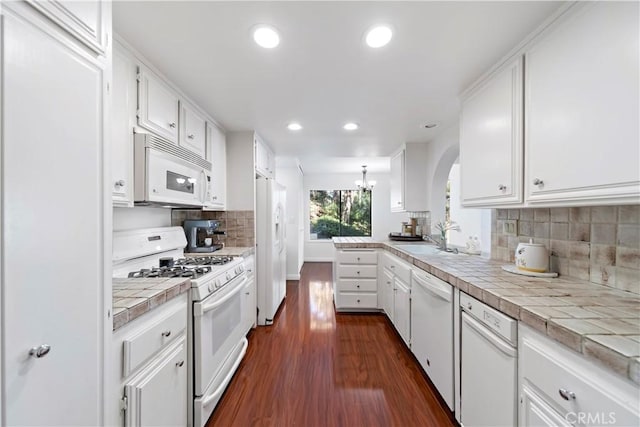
<point>122,316</point>
<point>471,277</point>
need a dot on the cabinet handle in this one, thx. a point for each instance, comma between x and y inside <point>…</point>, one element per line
<point>214,198</point>
<point>180,364</point>
<point>191,136</point>
<point>120,183</point>
<point>392,266</point>
<point>40,351</point>
<point>166,334</point>
<point>502,187</point>
<point>172,125</point>
<point>538,182</point>
<point>566,394</point>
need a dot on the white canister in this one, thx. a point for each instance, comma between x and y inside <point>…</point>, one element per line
<point>532,257</point>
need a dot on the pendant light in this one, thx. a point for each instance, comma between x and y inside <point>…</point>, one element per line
<point>363,184</point>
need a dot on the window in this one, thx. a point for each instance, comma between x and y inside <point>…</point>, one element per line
<point>339,213</point>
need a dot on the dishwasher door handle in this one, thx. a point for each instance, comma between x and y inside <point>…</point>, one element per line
<point>489,336</point>
<point>433,289</point>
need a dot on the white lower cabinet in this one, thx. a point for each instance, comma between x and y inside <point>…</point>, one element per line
<point>356,273</point>
<point>387,295</point>
<point>158,394</point>
<point>401,309</point>
<point>148,385</point>
<point>561,387</point>
<point>249,303</point>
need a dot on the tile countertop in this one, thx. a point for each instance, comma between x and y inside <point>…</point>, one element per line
<point>134,297</point>
<point>601,323</point>
<point>243,251</point>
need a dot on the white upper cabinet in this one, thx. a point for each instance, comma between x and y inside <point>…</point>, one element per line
<point>581,105</point>
<point>123,110</point>
<point>83,19</point>
<point>580,113</point>
<point>491,140</point>
<point>157,106</point>
<point>265,159</point>
<point>409,179</point>
<point>217,155</point>
<point>397,182</point>
<point>192,129</point>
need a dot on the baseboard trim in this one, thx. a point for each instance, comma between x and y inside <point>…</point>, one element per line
<point>321,259</point>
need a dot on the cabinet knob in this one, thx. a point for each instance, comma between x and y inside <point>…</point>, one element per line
<point>358,258</point>
<point>358,301</point>
<point>191,136</point>
<point>502,187</point>
<point>166,334</point>
<point>358,286</point>
<point>214,198</point>
<point>40,351</point>
<point>180,364</point>
<point>120,183</point>
<point>172,125</point>
<point>399,203</point>
<point>357,272</point>
<point>566,394</point>
<point>538,182</point>
<point>469,306</point>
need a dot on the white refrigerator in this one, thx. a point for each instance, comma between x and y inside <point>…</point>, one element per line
<point>271,248</point>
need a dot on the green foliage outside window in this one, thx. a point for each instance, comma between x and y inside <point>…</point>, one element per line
<point>340,213</point>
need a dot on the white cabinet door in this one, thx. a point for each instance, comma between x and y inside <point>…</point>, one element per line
<point>52,114</point>
<point>123,111</point>
<point>264,159</point>
<point>491,140</point>
<point>158,395</point>
<point>535,412</point>
<point>397,182</point>
<point>217,155</point>
<point>83,19</point>
<point>192,130</point>
<point>582,110</point>
<point>158,106</point>
<point>387,278</point>
<point>401,310</point>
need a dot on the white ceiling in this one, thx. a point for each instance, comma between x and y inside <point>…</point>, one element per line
<point>322,74</point>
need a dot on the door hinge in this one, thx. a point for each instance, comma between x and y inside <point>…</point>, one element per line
<point>124,403</point>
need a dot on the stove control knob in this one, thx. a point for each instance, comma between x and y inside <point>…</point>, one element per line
<point>217,284</point>
<point>228,276</point>
<point>210,287</point>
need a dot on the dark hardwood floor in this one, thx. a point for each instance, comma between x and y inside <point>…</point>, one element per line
<point>314,367</point>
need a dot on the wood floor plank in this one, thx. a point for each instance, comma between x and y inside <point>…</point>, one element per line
<point>314,367</point>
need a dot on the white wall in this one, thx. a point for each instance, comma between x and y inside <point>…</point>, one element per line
<point>289,174</point>
<point>140,217</point>
<point>473,222</point>
<point>382,220</point>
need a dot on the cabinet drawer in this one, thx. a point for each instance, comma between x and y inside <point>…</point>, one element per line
<point>148,341</point>
<point>398,267</point>
<point>358,300</point>
<point>358,285</point>
<point>553,371</point>
<point>364,271</point>
<point>357,257</point>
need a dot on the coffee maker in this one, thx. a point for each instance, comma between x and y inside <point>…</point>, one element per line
<point>202,235</point>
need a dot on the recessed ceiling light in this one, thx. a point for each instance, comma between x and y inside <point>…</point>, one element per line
<point>350,126</point>
<point>378,36</point>
<point>266,36</point>
<point>294,126</point>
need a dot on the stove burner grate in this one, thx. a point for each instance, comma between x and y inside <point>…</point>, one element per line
<point>176,271</point>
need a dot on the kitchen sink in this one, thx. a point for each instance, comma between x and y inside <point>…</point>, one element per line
<point>420,249</point>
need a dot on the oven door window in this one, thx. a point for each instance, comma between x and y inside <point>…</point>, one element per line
<point>217,330</point>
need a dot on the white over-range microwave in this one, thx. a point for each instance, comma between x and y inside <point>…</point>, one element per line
<point>168,175</point>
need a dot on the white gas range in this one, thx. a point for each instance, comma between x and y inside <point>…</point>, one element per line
<point>216,339</point>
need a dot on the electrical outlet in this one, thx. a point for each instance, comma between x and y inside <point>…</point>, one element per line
<point>510,227</point>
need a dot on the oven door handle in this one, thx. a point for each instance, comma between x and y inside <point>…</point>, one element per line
<point>207,400</point>
<point>199,309</point>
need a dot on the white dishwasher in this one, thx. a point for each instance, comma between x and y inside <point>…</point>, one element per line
<point>488,366</point>
<point>432,330</point>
